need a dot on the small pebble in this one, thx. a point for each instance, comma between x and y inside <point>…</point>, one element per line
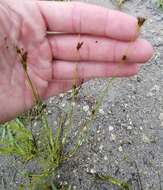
<point>35,124</point>
<point>99,126</point>
<point>120,149</point>
<point>92,171</point>
<point>74,187</point>
<point>63,104</point>
<point>141,128</point>
<point>86,108</point>
<point>113,137</point>
<point>87,170</point>
<point>58,176</point>
<point>129,127</point>
<point>105,158</point>
<point>111,128</point>
<point>130,122</point>
<point>49,111</point>
<point>65,183</point>
<point>145,139</point>
<point>101,147</point>
<point>101,111</point>
<point>50,101</point>
<point>109,111</point>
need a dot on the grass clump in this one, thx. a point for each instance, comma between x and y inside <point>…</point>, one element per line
<point>47,147</point>
<point>18,140</point>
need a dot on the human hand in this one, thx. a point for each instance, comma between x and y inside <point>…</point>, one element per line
<point>107,39</point>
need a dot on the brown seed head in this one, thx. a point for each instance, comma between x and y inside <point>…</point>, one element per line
<point>141,21</point>
<point>124,57</point>
<point>79,45</point>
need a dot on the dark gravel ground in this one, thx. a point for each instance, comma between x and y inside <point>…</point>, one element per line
<point>126,139</point>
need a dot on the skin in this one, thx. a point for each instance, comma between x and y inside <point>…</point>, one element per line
<point>107,36</point>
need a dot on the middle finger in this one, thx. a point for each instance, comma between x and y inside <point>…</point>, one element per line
<point>91,48</point>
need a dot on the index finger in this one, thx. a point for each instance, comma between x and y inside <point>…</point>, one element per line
<point>82,18</point>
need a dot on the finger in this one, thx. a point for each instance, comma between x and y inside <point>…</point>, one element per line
<point>83,18</point>
<point>64,47</point>
<point>85,70</point>
<point>59,86</point>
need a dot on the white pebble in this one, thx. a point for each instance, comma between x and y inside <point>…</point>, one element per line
<point>65,183</point>
<point>49,111</point>
<point>92,171</point>
<point>74,187</point>
<point>145,139</point>
<point>98,131</point>
<point>120,149</point>
<point>87,170</point>
<point>86,108</point>
<point>113,137</point>
<point>129,127</point>
<point>63,104</point>
<point>101,147</point>
<point>100,127</point>
<point>105,158</point>
<point>35,124</point>
<point>111,128</point>
<point>101,111</point>
<point>50,101</point>
<point>141,128</point>
<point>130,122</point>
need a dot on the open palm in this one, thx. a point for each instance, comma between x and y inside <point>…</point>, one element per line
<point>106,39</point>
